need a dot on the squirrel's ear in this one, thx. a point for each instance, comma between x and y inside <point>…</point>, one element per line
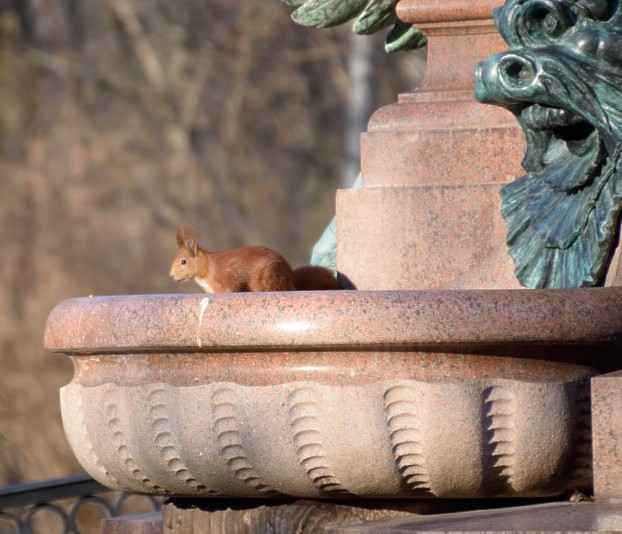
<point>192,245</point>
<point>186,237</point>
<point>180,236</point>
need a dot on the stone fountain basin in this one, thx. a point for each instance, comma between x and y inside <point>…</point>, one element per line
<point>337,394</point>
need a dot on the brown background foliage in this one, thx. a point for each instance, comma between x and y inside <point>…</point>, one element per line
<point>120,119</point>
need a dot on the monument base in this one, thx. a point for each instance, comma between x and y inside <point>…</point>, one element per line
<point>133,524</point>
<point>568,517</point>
<point>311,517</point>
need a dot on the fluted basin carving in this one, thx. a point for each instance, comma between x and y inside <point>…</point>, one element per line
<point>366,394</point>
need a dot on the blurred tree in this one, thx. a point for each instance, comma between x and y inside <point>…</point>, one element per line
<point>360,104</point>
<point>22,10</point>
<point>124,118</point>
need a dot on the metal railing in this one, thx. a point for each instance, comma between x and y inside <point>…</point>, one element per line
<point>22,504</point>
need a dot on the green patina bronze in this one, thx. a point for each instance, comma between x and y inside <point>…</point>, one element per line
<point>324,253</point>
<point>562,78</point>
<point>371,16</point>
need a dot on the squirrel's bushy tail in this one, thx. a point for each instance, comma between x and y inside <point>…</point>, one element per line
<point>314,278</point>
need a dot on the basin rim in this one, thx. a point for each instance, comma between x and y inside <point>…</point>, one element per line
<point>335,320</point>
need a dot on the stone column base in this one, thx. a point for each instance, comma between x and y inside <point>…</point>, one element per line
<point>607,434</point>
<point>134,524</point>
<point>240,517</point>
<point>583,517</point>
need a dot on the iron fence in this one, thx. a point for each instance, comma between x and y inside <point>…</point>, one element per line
<point>64,500</point>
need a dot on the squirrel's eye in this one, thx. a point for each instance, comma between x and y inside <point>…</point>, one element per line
<point>183,261</point>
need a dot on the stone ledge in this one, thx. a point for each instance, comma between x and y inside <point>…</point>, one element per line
<point>339,320</point>
<point>431,11</point>
<point>545,518</point>
<point>607,435</point>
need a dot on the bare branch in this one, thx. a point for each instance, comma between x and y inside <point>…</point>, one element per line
<point>144,51</point>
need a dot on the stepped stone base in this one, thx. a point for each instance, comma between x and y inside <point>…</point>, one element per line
<point>449,237</point>
<point>134,524</point>
<point>558,517</point>
<point>607,435</point>
<point>302,517</point>
<point>311,517</point>
<point>449,154</point>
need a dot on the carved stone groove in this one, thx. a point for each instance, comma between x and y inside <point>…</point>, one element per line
<point>405,432</point>
<point>307,435</point>
<point>499,413</point>
<point>163,437</point>
<point>398,439</point>
<point>116,423</point>
<point>229,439</point>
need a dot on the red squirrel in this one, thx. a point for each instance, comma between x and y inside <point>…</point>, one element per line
<point>243,269</point>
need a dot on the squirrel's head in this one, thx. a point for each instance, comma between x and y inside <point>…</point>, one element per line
<point>185,265</point>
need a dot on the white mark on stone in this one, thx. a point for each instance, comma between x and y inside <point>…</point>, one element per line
<point>202,308</point>
<point>295,327</point>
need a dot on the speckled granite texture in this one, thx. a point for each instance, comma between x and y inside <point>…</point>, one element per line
<point>583,517</point>
<point>337,394</point>
<point>433,164</point>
